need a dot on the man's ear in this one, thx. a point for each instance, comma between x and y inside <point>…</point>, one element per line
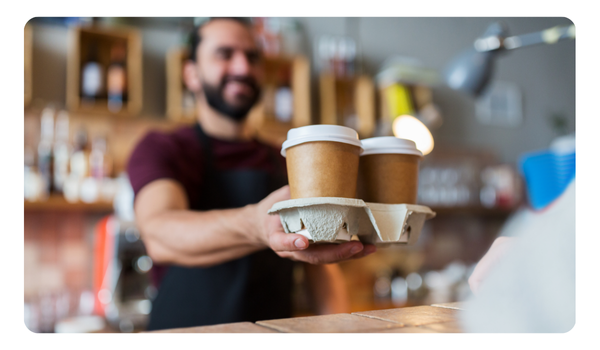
<point>191,77</point>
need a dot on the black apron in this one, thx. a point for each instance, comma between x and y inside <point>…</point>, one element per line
<point>252,288</point>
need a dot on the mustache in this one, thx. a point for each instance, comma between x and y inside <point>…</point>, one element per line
<point>248,80</point>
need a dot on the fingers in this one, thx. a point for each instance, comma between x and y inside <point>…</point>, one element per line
<point>325,253</point>
<point>285,242</point>
<point>329,253</point>
<point>367,250</point>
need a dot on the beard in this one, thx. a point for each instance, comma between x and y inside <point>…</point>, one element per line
<point>238,111</point>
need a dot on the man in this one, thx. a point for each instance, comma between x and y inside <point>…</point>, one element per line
<point>201,207</point>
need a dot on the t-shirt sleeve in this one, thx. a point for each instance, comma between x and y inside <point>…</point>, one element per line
<point>152,159</point>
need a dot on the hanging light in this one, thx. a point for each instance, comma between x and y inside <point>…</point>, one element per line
<point>410,128</point>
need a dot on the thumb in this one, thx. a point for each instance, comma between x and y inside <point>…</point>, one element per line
<point>279,195</point>
<point>275,196</point>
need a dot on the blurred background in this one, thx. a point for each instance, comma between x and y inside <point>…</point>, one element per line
<point>95,86</point>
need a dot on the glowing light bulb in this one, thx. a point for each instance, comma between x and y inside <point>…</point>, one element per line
<point>410,128</point>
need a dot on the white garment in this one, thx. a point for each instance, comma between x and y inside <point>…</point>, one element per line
<point>532,289</point>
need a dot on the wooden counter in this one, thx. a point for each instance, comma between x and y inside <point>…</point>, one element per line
<point>436,318</point>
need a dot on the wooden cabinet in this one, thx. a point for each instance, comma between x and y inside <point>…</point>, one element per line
<point>98,43</point>
<point>180,101</point>
<point>349,102</point>
<point>286,72</point>
<point>28,59</point>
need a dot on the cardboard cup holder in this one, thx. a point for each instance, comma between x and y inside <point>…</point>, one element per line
<point>337,220</point>
<point>324,165</point>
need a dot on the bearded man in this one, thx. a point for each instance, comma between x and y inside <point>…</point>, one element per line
<point>202,194</point>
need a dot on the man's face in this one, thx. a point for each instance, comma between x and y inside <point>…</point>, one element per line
<point>229,67</point>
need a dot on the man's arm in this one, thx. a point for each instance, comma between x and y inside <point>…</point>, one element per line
<point>176,235</point>
<point>327,288</point>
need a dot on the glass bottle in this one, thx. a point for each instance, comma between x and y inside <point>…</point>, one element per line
<point>91,78</point>
<point>62,151</point>
<point>116,77</point>
<point>44,151</point>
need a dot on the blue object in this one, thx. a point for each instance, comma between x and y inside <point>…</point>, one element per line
<point>547,174</point>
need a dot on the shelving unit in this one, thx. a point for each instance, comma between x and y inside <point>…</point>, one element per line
<point>177,110</point>
<point>59,203</point>
<point>81,40</point>
<point>340,97</point>
<point>262,120</point>
<point>28,60</point>
<point>473,211</point>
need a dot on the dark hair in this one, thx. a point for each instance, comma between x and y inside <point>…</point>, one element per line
<point>195,38</point>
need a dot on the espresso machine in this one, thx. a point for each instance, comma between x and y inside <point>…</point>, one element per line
<point>122,284</point>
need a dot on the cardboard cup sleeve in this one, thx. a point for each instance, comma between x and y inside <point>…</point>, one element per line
<point>323,169</point>
<point>388,178</point>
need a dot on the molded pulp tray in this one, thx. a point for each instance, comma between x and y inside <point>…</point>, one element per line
<point>332,219</point>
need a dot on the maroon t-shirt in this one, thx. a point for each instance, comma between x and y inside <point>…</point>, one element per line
<point>179,156</point>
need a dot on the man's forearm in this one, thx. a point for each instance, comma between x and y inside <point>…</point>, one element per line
<point>191,238</point>
<point>175,235</point>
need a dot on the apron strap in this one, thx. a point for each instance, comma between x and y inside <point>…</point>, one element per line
<point>207,153</point>
<point>209,157</point>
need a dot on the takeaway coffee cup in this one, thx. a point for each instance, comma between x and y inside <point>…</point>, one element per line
<point>322,161</point>
<point>389,170</point>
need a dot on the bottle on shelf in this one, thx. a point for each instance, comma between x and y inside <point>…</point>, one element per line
<point>268,32</point>
<point>291,37</point>
<point>98,185</point>
<point>91,78</point>
<point>283,97</point>
<point>350,62</point>
<point>97,166</point>
<point>62,151</point>
<point>32,183</point>
<point>44,151</point>
<point>116,78</point>
<point>382,288</point>
<point>399,289</point>
<point>79,163</point>
<point>78,166</point>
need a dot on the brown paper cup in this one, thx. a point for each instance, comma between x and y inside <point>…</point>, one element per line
<point>389,178</point>
<point>323,169</point>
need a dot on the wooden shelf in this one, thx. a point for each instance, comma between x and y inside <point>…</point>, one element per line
<point>59,203</point>
<point>337,95</point>
<point>81,39</point>
<point>28,59</point>
<point>262,119</point>
<point>472,211</point>
<point>176,90</point>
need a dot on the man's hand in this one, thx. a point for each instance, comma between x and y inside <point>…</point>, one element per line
<point>294,246</point>
<point>489,260</point>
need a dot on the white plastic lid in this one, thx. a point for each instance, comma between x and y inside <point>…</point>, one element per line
<point>313,133</point>
<point>389,145</point>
